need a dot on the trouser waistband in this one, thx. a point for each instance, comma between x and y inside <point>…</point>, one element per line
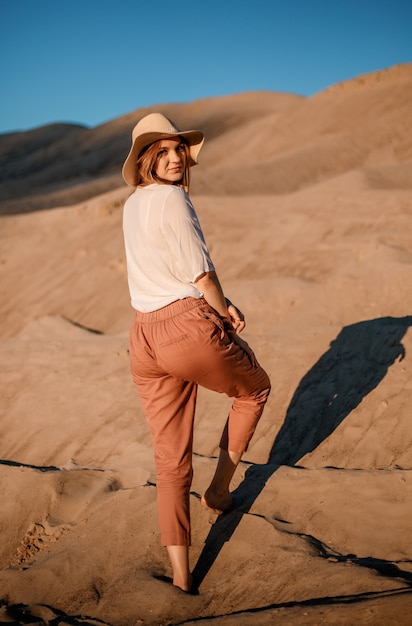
<point>174,308</point>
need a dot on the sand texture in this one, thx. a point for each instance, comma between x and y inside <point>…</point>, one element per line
<point>306,204</point>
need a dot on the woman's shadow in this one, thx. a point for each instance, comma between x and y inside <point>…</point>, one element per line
<point>356,362</point>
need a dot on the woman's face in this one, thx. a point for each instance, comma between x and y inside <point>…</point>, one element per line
<point>171,160</point>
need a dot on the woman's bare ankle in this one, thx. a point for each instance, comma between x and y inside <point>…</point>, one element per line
<point>179,559</point>
<point>183,582</point>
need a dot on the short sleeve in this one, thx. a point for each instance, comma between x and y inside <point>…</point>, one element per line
<point>181,228</point>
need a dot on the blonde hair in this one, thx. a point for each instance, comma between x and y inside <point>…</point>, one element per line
<point>145,166</point>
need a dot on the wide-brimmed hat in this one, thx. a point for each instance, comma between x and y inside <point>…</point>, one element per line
<point>154,127</point>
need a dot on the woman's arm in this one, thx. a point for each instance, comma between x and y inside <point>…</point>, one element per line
<point>209,285</point>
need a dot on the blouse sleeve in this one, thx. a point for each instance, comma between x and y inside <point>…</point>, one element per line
<point>181,228</point>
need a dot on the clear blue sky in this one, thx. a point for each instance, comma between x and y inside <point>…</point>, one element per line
<point>89,61</point>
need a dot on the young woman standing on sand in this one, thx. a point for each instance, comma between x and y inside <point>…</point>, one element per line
<point>185,331</point>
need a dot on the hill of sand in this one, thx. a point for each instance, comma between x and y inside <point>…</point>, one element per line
<point>306,204</point>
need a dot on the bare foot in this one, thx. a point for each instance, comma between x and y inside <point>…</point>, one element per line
<point>219,503</point>
<point>185,588</point>
<point>185,584</point>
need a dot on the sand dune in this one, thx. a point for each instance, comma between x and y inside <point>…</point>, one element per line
<point>314,244</point>
<point>287,142</point>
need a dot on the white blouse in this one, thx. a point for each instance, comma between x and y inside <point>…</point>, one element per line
<point>165,247</point>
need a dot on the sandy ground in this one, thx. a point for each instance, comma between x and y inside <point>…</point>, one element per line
<point>309,225</point>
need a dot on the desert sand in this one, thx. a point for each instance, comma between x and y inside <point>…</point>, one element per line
<point>306,204</point>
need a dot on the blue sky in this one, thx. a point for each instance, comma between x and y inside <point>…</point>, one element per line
<point>89,61</point>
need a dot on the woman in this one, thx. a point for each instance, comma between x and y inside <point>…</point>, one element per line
<point>185,330</point>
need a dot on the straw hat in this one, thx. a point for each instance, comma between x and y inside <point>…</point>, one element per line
<point>151,128</point>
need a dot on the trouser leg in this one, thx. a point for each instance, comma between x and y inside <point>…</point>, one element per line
<point>169,406</point>
<point>221,361</point>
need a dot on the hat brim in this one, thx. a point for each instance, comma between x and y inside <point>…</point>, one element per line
<point>195,139</point>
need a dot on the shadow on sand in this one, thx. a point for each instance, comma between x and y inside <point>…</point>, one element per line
<point>44,614</point>
<point>356,362</point>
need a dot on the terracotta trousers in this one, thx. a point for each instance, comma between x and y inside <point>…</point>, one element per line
<point>172,351</point>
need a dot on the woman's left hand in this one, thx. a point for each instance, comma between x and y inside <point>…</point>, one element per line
<point>237,319</point>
